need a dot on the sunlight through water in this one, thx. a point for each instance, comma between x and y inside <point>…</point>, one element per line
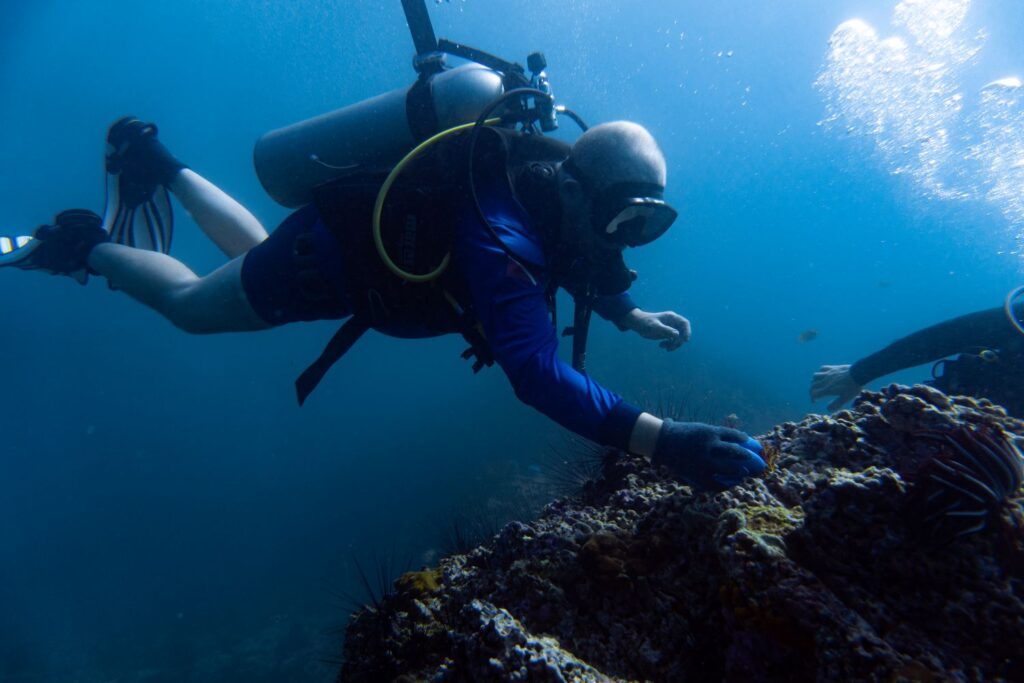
<point>906,93</point>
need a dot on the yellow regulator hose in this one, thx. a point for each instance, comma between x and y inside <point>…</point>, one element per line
<point>378,207</point>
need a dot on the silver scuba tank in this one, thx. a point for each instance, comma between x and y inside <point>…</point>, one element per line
<point>291,161</point>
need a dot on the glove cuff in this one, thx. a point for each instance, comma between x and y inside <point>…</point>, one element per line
<point>659,447</point>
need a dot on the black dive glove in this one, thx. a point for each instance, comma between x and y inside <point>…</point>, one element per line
<point>707,457</point>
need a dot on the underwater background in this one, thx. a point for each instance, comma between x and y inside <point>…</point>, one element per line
<point>168,514</point>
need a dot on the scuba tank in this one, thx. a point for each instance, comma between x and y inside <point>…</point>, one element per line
<point>378,132</point>
<point>375,133</point>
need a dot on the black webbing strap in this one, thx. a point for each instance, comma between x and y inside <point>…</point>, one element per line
<point>480,57</point>
<point>419,25</point>
<point>580,330</point>
<point>419,109</point>
<point>340,343</point>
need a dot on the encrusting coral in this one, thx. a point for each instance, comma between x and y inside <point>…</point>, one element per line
<point>841,563</point>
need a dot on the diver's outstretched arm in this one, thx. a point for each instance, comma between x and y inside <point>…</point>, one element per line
<point>226,222</point>
<point>200,305</point>
<point>971,333</point>
<point>834,380</point>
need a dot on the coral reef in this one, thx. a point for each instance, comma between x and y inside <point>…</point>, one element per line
<point>821,570</point>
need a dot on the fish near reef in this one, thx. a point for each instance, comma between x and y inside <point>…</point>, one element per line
<point>807,335</point>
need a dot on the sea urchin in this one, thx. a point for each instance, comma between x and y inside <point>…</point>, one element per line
<point>976,471</point>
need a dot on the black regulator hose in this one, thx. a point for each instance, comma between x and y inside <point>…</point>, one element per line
<point>565,111</point>
<point>474,136</point>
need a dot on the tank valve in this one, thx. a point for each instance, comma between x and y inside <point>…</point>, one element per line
<point>536,63</point>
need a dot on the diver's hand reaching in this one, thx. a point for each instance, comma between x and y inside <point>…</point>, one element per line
<point>708,457</point>
<point>834,380</point>
<point>668,326</point>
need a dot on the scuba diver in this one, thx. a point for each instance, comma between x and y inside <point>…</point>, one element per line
<point>301,273</point>
<point>472,232</point>
<point>989,362</point>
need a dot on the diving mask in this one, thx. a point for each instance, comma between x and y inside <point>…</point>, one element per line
<point>627,214</point>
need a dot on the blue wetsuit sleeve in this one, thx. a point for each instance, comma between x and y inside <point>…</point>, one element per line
<point>514,315</point>
<point>614,307</point>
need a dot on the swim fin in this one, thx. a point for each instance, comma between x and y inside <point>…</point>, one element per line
<point>60,249</point>
<point>16,250</point>
<point>139,169</point>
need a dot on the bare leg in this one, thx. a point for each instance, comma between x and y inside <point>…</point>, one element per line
<point>226,222</point>
<point>200,305</point>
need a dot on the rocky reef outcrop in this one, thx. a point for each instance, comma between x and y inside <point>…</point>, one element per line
<point>868,552</point>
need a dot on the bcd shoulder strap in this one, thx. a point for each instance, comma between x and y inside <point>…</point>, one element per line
<point>354,328</point>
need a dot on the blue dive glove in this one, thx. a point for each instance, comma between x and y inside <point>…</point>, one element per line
<point>708,457</point>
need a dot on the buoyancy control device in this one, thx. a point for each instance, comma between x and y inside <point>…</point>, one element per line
<point>388,130</point>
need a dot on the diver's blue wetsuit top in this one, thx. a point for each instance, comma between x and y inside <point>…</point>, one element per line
<point>512,310</point>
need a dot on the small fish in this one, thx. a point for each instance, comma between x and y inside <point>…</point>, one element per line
<point>807,335</point>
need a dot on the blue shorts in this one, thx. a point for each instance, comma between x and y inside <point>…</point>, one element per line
<point>296,273</point>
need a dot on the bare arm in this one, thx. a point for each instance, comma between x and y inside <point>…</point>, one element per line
<point>644,438</point>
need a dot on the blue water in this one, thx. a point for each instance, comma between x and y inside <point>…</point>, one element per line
<point>168,514</point>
